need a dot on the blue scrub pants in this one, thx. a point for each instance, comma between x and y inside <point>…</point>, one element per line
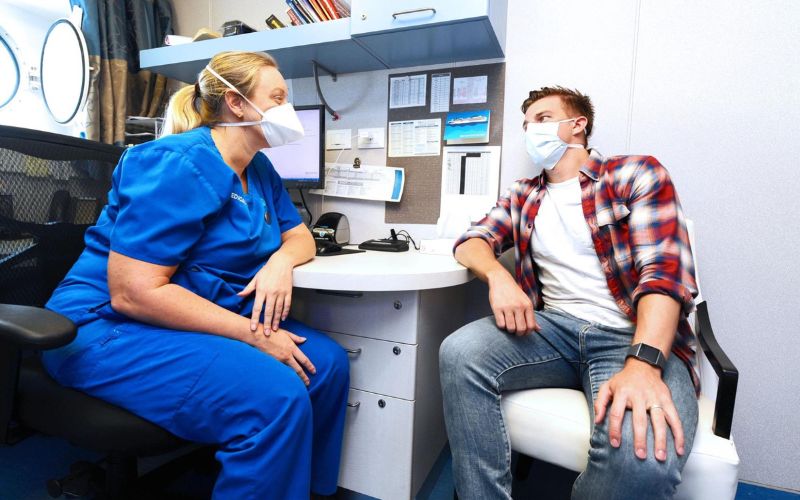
<point>277,438</point>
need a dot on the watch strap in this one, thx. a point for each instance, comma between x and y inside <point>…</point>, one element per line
<point>648,354</point>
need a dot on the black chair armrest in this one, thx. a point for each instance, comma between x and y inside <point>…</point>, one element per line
<point>725,370</point>
<point>34,328</point>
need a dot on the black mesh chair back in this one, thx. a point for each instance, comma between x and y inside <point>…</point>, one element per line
<point>52,188</point>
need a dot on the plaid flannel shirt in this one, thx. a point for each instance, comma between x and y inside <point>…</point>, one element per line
<point>637,226</point>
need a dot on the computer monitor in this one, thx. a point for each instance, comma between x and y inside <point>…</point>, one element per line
<point>301,164</point>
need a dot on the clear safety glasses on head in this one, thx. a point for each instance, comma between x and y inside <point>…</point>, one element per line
<point>544,145</point>
<point>279,124</point>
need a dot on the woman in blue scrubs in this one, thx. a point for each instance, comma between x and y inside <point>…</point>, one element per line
<point>183,292</point>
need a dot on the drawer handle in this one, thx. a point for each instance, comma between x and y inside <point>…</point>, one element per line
<point>352,295</point>
<point>354,405</point>
<point>433,12</point>
<point>353,351</point>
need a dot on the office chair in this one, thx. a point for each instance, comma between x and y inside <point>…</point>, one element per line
<point>553,425</point>
<point>57,182</point>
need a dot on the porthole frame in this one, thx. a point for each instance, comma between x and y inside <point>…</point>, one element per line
<point>81,103</point>
<point>12,49</point>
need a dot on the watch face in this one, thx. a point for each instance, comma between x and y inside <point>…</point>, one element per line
<point>647,353</point>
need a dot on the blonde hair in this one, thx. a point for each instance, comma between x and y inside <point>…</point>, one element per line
<point>201,104</point>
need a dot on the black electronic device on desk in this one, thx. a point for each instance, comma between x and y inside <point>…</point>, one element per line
<point>331,233</point>
<point>392,244</point>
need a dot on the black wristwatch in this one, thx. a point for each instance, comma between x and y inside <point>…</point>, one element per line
<point>648,354</point>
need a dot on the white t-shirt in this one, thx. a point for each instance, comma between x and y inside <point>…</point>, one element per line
<point>569,270</point>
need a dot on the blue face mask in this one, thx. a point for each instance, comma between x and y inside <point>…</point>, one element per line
<point>544,145</point>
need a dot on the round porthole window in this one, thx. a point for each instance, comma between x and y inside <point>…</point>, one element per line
<point>65,70</point>
<point>9,69</point>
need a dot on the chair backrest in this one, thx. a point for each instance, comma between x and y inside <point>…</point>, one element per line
<point>709,381</point>
<point>51,188</point>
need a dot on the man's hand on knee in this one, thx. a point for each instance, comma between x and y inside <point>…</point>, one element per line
<point>639,387</point>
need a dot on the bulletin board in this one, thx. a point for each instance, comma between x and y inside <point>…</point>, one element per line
<point>422,195</point>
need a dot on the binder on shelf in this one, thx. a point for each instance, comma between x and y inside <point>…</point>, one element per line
<point>293,17</point>
<point>274,23</point>
<point>320,13</point>
<point>342,7</point>
<point>296,6</point>
<point>305,7</point>
<point>329,8</point>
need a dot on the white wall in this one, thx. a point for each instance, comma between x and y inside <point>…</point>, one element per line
<point>710,88</point>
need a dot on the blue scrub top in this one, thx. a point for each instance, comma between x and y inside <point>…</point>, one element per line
<point>174,201</point>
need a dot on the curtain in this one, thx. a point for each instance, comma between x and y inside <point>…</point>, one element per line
<point>115,32</point>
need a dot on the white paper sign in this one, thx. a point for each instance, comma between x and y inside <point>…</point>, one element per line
<point>338,139</point>
<point>470,180</point>
<point>415,137</point>
<point>470,90</point>
<point>367,182</point>
<point>407,91</point>
<point>440,93</point>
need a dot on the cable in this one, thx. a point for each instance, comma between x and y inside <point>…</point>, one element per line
<point>408,237</point>
<point>303,198</point>
<point>314,67</point>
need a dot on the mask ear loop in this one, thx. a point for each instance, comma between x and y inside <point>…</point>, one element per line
<point>228,84</point>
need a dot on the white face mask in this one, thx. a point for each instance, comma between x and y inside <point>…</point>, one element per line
<point>544,145</point>
<point>279,124</point>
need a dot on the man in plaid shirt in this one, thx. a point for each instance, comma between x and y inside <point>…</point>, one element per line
<point>604,280</point>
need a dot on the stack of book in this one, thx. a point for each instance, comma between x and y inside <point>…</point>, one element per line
<point>311,11</point>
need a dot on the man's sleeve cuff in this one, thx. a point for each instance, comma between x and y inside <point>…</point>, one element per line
<point>675,290</point>
<point>485,235</point>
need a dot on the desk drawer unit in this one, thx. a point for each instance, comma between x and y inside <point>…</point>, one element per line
<point>380,366</point>
<point>388,316</point>
<point>378,437</point>
<point>394,429</point>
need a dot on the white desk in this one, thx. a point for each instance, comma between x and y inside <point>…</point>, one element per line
<point>391,311</point>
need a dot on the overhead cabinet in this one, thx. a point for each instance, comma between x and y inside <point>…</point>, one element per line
<point>416,33</point>
<point>379,35</point>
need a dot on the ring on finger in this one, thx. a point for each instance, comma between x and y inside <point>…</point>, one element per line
<point>655,407</point>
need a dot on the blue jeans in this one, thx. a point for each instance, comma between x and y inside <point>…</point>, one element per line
<point>479,362</point>
<point>277,438</point>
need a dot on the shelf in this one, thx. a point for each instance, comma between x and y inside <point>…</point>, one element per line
<point>379,38</point>
<point>293,47</point>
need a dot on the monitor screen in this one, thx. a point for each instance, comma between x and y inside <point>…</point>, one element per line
<point>301,164</point>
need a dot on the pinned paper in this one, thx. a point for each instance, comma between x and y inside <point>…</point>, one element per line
<point>470,90</point>
<point>415,137</point>
<point>440,92</point>
<point>366,182</point>
<point>407,91</point>
<point>338,139</point>
<point>470,180</point>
